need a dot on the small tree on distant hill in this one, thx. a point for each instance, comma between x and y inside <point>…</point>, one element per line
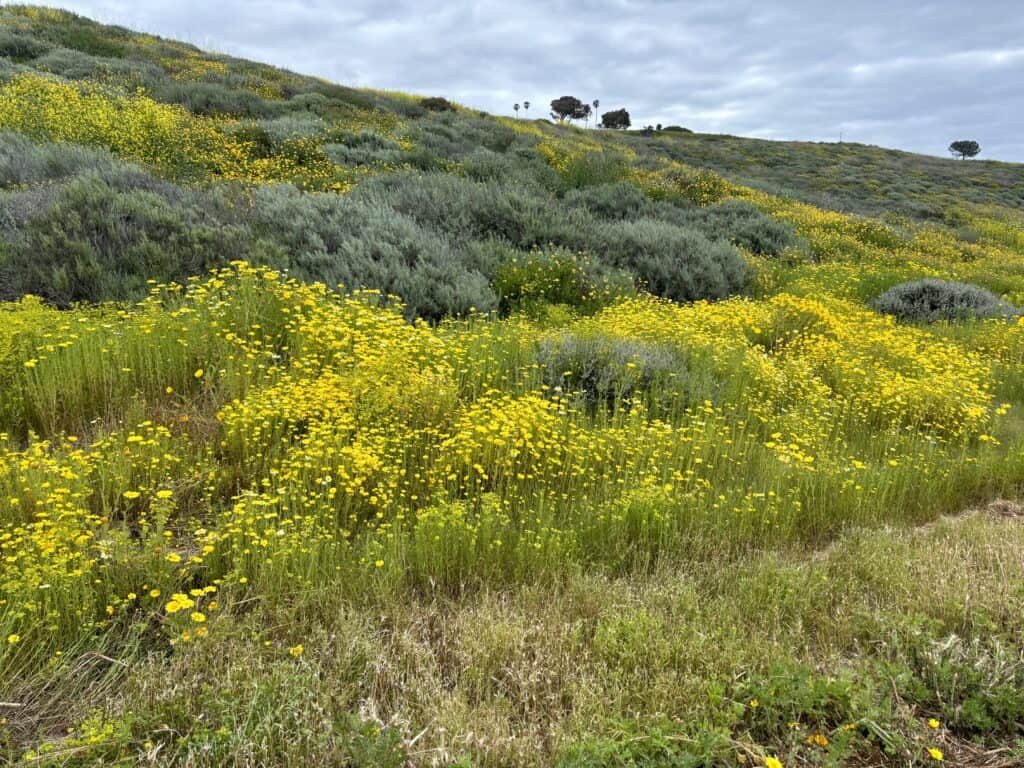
<point>617,118</point>
<point>965,148</point>
<point>568,108</point>
<point>437,104</point>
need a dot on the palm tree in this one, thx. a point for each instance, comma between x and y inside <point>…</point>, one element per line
<point>516,108</point>
<point>597,104</point>
<point>526,106</point>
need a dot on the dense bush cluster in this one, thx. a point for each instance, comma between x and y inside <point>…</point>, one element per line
<point>741,223</point>
<point>931,300</point>
<point>604,372</point>
<point>670,261</point>
<point>98,236</point>
<point>616,201</point>
<point>83,226</point>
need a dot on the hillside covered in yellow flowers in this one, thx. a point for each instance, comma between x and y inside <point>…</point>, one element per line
<point>341,427</point>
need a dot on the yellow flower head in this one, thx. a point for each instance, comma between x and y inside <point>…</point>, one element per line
<point>179,602</point>
<point>936,754</point>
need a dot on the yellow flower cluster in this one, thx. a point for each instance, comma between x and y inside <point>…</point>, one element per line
<point>325,433</point>
<point>165,137</point>
<point>800,355</point>
<point>247,432</point>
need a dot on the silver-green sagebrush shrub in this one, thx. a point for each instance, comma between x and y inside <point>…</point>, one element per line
<point>670,261</point>
<point>931,300</point>
<point>604,373</point>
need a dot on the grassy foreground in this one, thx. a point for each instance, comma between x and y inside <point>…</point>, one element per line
<point>609,460</point>
<point>810,658</point>
<point>251,521</point>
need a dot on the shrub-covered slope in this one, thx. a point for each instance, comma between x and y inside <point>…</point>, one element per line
<point>118,142</point>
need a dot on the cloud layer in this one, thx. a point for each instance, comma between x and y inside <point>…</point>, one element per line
<point>899,73</point>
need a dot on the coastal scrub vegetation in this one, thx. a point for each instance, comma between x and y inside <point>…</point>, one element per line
<point>343,427</point>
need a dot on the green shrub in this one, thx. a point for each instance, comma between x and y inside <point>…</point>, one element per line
<point>343,154</point>
<point>76,65</point>
<point>332,92</point>
<point>666,260</point>
<point>9,69</point>
<point>968,234</point>
<point>18,47</point>
<point>975,687</point>
<point>670,261</point>
<point>792,693</point>
<point>369,140</point>
<point>24,162</point>
<point>437,104</point>
<point>88,37</point>
<point>612,202</point>
<point>466,210</point>
<point>749,228</point>
<point>486,165</point>
<point>555,277</point>
<point>665,743</point>
<point>600,372</point>
<point>591,169</point>
<point>453,136</point>
<point>930,300</point>
<point>735,221</point>
<point>366,244</point>
<point>215,99</point>
<point>314,103</point>
<point>294,125</point>
<point>103,236</point>
<point>261,143</point>
<point>364,148</point>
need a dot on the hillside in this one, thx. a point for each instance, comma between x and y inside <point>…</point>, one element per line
<point>342,427</point>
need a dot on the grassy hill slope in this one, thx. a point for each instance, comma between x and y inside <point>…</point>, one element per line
<point>342,428</point>
<point>854,178</point>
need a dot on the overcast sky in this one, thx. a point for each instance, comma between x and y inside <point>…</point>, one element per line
<point>898,73</point>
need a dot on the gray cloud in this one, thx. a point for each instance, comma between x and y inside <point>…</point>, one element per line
<point>898,73</point>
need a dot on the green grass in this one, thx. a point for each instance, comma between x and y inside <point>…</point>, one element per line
<point>862,642</point>
<point>855,178</point>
